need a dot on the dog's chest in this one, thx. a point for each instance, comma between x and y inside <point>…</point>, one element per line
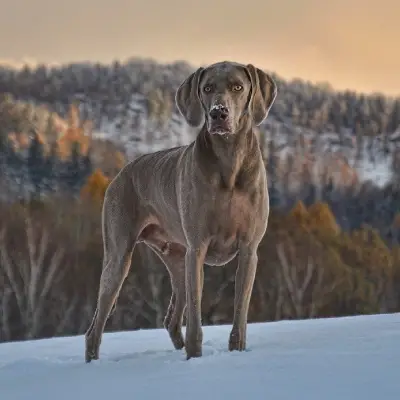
<point>233,218</point>
<point>235,214</point>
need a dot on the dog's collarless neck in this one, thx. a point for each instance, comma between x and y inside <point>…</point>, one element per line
<point>232,160</point>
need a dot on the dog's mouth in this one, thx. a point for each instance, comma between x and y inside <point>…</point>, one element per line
<point>220,129</point>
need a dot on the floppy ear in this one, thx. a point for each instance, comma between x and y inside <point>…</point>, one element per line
<point>188,101</point>
<point>264,91</point>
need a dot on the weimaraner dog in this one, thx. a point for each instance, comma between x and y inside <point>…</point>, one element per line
<point>203,203</point>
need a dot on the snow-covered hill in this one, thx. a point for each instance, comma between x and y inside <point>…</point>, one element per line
<point>132,104</point>
<point>346,358</point>
<point>137,133</point>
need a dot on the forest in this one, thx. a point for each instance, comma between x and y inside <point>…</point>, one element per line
<point>332,247</point>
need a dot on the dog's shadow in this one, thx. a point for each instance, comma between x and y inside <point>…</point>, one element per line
<point>161,355</point>
<point>210,349</point>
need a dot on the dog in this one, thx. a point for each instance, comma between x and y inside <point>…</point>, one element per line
<point>203,203</point>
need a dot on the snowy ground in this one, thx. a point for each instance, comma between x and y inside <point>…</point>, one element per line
<point>347,358</point>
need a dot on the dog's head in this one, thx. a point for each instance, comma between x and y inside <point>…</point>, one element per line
<point>226,95</point>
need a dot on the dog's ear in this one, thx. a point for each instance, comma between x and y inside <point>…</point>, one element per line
<point>263,93</point>
<point>188,101</point>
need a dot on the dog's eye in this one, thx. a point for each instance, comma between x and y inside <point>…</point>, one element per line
<point>237,88</point>
<point>207,89</point>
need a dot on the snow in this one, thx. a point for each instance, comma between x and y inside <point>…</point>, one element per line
<point>377,172</point>
<point>134,130</point>
<point>344,358</point>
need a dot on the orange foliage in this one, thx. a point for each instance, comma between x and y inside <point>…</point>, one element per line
<point>95,187</point>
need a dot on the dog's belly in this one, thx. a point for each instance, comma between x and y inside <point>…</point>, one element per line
<point>220,253</point>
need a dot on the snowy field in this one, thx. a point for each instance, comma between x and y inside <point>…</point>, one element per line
<point>345,358</point>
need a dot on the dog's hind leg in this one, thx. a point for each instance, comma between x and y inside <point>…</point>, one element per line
<point>175,263</point>
<point>173,257</point>
<point>120,232</point>
<point>112,278</point>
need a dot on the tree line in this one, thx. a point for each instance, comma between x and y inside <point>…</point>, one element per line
<point>51,259</point>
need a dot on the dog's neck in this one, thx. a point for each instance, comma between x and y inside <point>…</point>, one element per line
<point>234,159</point>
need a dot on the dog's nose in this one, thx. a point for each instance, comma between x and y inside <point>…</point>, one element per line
<point>219,113</point>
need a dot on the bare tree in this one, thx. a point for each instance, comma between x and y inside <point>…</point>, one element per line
<point>29,276</point>
<point>155,276</point>
<point>304,281</point>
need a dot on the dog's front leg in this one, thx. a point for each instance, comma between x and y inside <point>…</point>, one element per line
<point>194,261</point>
<point>244,282</point>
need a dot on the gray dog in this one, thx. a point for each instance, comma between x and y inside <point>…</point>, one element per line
<point>204,203</point>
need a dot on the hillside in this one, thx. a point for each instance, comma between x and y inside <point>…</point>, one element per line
<point>132,105</point>
<point>345,358</point>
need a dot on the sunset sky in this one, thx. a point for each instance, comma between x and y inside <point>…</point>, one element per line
<point>349,43</point>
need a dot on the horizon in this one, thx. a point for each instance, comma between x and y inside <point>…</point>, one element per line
<point>348,46</point>
<point>328,85</point>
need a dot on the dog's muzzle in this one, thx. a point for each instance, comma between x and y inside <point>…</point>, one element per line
<point>219,120</point>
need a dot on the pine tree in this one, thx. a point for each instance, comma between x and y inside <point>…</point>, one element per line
<point>299,213</point>
<point>36,165</point>
<point>52,168</point>
<point>73,164</point>
<point>322,219</point>
<point>76,169</point>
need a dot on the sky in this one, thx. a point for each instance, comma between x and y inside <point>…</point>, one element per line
<point>352,44</point>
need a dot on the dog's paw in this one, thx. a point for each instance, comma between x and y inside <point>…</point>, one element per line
<point>92,349</point>
<point>91,355</point>
<point>237,341</point>
<point>177,340</point>
<point>193,350</point>
<point>193,353</point>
